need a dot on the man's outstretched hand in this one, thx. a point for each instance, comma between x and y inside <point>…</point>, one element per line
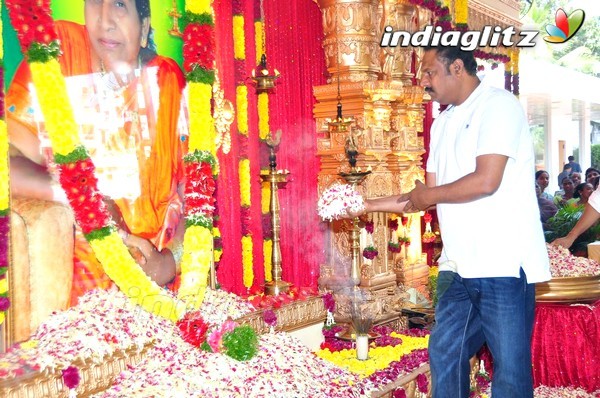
<point>417,198</point>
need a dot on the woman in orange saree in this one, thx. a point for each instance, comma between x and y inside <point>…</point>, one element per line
<point>132,125</point>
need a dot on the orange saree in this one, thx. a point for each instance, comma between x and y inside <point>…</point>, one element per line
<point>156,208</point>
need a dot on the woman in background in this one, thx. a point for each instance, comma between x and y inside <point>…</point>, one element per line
<point>582,193</point>
<point>568,190</point>
<point>542,178</point>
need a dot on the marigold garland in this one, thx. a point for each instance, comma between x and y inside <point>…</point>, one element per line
<point>263,116</point>
<point>4,184</point>
<point>75,167</point>
<point>239,44</point>
<point>239,47</point>
<point>198,242</point>
<point>461,13</point>
<point>263,133</point>
<point>4,196</point>
<point>515,71</point>
<point>241,100</point>
<point>380,357</point>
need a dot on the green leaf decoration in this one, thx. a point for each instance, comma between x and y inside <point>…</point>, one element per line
<point>99,233</point>
<point>200,75</point>
<point>200,156</point>
<point>205,346</point>
<point>79,153</point>
<point>241,343</point>
<point>200,19</point>
<point>199,220</point>
<point>42,53</point>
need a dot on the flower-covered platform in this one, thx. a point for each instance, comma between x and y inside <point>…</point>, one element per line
<point>108,347</point>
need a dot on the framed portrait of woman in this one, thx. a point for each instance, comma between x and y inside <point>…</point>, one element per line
<point>122,67</point>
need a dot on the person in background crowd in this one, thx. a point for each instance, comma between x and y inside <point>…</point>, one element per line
<point>582,193</point>
<point>542,178</point>
<point>565,173</point>
<point>575,167</point>
<point>481,160</point>
<point>547,208</point>
<point>590,174</point>
<point>576,178</point>
<point>568,190</point>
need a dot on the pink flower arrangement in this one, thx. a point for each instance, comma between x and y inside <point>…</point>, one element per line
<point>215,338</point>
<point>329,302</point>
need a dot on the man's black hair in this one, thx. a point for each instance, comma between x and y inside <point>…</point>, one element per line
<point>449,54</point>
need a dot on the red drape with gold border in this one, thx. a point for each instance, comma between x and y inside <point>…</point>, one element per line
<point>293,45</point>
<point>294,35</point>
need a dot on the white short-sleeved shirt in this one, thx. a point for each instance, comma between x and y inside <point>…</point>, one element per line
<point>497,235</point>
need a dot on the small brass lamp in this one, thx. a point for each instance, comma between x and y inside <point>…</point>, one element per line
<point>262,77</point>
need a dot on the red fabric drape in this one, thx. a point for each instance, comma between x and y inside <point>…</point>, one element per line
<point>565,349</point>
<point>293,42</point>
<point>229,273</point>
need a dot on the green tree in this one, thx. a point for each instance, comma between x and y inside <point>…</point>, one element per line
<point>582,51</point>
<point>595,155</point>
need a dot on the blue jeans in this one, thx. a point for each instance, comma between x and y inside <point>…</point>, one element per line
<point>471,312</point>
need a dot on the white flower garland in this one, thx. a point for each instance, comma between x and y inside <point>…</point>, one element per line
<point>337,200</point>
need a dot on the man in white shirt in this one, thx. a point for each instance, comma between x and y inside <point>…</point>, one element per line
<point>479,176</point>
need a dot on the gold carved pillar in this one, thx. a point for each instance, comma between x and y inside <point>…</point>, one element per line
<point>397,61</point>
<point>351,44</point>
<point>376,89</point>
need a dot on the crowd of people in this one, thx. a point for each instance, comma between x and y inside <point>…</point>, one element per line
<point>573,191</point>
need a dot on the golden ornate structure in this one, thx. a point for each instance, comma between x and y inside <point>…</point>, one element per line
<point>378,91</point>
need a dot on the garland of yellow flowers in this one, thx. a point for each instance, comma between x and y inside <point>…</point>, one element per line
<point>39,42</point>
<point>201,161</point>
<point>461,13</point>
<point>379,357</point>
<point>263,133</point>
<point>4,194</point>
<point>239,53</point>
<point>515,71</point>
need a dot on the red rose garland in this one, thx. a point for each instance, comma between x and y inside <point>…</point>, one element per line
<point>200,162</point>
